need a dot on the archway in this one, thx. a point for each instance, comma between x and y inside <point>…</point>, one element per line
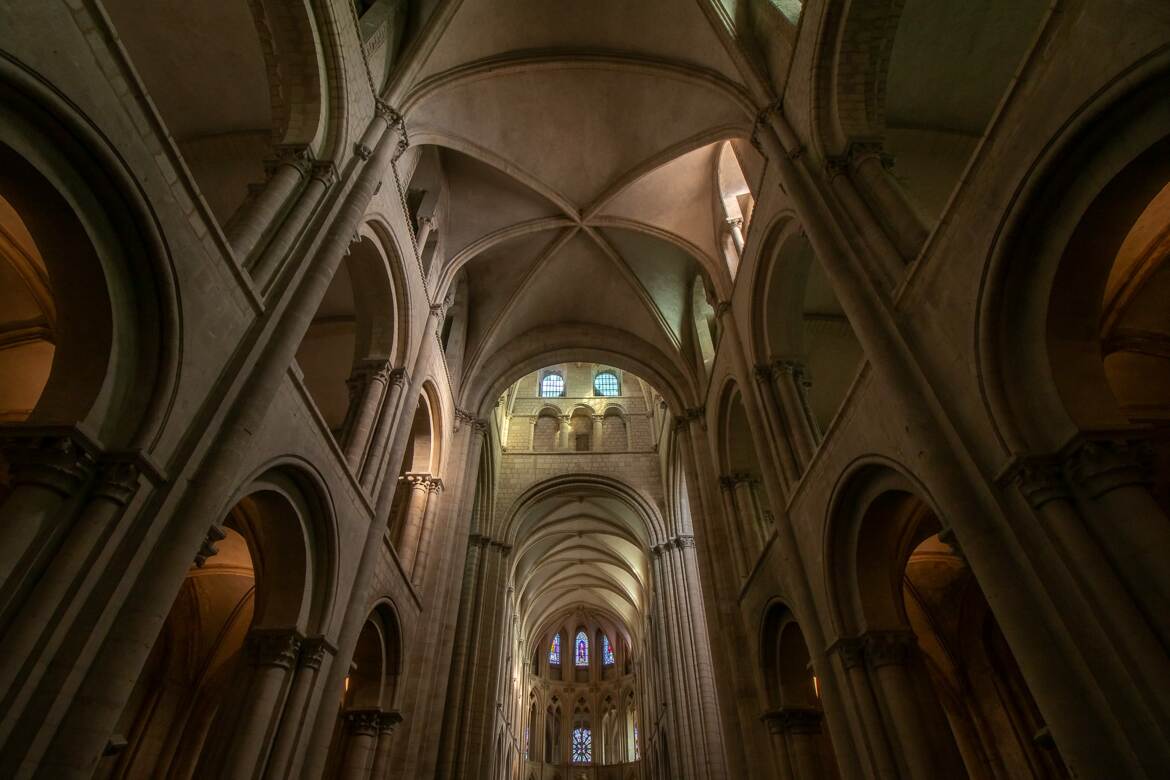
<point>745,501</point>
<point>951,700</point>
<point>416,502</point>
<point>210,697</point>
<point>268,54</point>
<point>801,743</point>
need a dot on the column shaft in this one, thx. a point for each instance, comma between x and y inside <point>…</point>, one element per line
<point>412,520</point>
<point>369,402</point>
<point>372,467</point>
<point>256,216</point>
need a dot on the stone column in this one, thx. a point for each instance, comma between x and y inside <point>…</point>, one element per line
<point>803,727</point>
<point>889,262</point>
<point>1111,477</point>
<point>564,432</point>
<point>872,166</point>
<point>426,226</point>
<point>776,723</point>
<point>263,266</point>
<point>412,519</point>
<point>46,471</point>
<point>39,624</point>
<point>735,228</point>
<point>888,652</point>
<point>361,728</point>
<point>373,468</point>
<point>792,459</point>
<point>369,402</point>
<point>272,654</point>
<point>598,432</point>
<point>259,214</point>
<point>434,490</point>
<point>386,723</point>
<point>752,513</point>
<point>851,651</point>
<point>791,384</point>
<point>726,489</point>
<point>284,749</point>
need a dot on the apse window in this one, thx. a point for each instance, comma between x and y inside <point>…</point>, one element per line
<point>606,651</point>
<point>554,651</point>
<point>606,384</point>
<point>582,746</point>
<point>582,656</point>
<point>552,385</point>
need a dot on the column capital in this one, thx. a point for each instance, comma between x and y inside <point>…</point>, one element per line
<point>297,156</point>
<point>363,722</point>
<point>1039,478</point>
<point>279,647</point>
<point>1100,464</point>
<point>313,651</point>
<point>325,172</point>
<point>117,481</point>
<point>734,222</point>
<point>869,149</point>
<point>388,720</point>
<point>58,458</point>
<point>207,549</point>
<point>851,649</point>
<point>362,152</point>
<point>763,371</point>
<point>793,720</point>
<point>417,480</point>
<point>435,485</point>
<point>727,482</point>
<point>398,377</point>
<point>386,111</point>
<point>889,648</point>
<point>683,541</point>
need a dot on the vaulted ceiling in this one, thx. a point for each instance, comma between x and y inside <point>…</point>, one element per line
<point>577,143</point>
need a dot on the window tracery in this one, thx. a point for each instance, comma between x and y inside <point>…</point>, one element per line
<point>582,745</point>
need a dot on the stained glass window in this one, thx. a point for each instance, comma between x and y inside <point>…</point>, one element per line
<point>606,384</point>
<point>526,741</point>
<point>606,651</point>
<point>582,746</point>
<point>554,651</point>
<point>637,750</point>
<point>582,652</point>
<point>552,386</point>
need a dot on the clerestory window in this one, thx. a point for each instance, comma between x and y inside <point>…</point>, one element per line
<point>552,386</point>
<point>606,384</point>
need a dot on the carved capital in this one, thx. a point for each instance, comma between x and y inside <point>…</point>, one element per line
<point>397,377</point>
<point>363,723</point>
<point>682,541</point>
<point>1103,465</point>
<point>381,372</point>
<point>296,156</point>
<point>362,152</point>
<point>117,481</point>
<point>1039,479</point>
<point>58,461</point>
<point>860,152</point>
<point>207,548</point>
<point>852,651</point>
<point>417,481</point>
<point>435,485</point>
<point>279,647</point>
<point>388,720</point>
<point>324,172</point>
<point>836,165</point>
<point>793,720</point>
<point>734,222</point>
<point>727,482</point>
<point>888,648</point>
<point>313,652</point>
<point>763,372</point>
<point>695,413</point>
<point>384,110</point>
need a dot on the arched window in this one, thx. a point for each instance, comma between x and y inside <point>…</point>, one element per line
<point>607,658</point>
<point>552,385</point>
<point>582,649</point>
<point>582,745</point>
<point>554,651</point>
<point>606,384</point>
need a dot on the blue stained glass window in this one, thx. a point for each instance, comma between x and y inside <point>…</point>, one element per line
<point>582,651</point>
<point>582,746</point>
<point>552,386</point>
<point>606,651</point>
<point>606,384</point>
<point>554,651</point>
<point>526,741</point>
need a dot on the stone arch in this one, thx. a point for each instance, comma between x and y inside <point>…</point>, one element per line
<point>89,307</point>
<point>908,602</point>
<point>357,331</point>
<point>246,608</point>
<point>268,52</point>
<point>615,429</point>
<point>800,326</point>
<point>891,79</point>
<point>1063,337</point>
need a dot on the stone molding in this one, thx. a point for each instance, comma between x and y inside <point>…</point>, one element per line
<point>387,720</point>
<point>325,172</point>
<point>1094,463</point>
